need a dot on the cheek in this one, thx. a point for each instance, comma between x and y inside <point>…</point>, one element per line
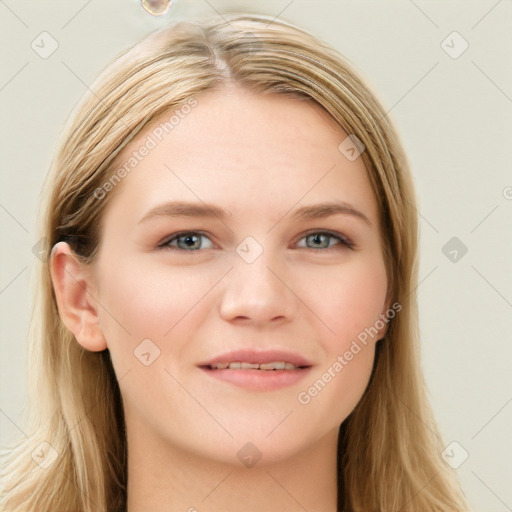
<point>151,301</point>
<point>349,300</point>
<point>349,303</point>
<point>161,304</point>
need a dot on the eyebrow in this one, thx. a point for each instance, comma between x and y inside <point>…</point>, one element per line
<point>204,210</point>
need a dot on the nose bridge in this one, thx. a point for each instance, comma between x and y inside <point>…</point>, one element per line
<point>255,288</point>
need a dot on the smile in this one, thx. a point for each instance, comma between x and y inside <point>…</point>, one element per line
<point>276,365</point>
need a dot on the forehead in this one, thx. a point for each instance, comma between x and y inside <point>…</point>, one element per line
<point>242,149</point>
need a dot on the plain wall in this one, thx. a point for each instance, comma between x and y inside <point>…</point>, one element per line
<point>454,114</point>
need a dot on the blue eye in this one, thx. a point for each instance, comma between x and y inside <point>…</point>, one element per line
<point>191,241</point>
<point>319,239</point>
<point>188,241</point>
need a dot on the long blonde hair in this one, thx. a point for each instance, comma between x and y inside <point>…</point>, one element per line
<point>74,458</point>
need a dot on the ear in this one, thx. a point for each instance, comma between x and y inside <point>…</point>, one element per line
<point>74,291</point>
<point>384,317</point>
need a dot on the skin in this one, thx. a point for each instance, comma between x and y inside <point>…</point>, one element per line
<point>259,158</point>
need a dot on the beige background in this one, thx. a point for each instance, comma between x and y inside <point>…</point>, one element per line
<point>455,118</point>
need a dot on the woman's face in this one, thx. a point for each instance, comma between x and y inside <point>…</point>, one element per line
<point>215,241</point>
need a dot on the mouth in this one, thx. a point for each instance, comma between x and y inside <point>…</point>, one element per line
<point>242,365</point>
<point>258,371</point>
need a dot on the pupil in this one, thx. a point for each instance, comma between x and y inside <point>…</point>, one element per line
<point>317,239</point>
<point>189,240</point>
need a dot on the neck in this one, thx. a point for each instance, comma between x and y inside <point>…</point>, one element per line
<point>166,478</point>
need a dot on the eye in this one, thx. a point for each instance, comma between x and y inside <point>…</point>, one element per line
<point>322,240</point>
<point>187,241</point>
<point>192,241</point>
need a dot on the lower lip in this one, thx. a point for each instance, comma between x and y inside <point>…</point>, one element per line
<point>259,380</point>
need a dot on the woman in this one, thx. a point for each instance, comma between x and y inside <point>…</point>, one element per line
<point>226,317</point>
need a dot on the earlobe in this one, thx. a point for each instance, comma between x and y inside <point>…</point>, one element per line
<point>384,321</point>
<point>73,288</point>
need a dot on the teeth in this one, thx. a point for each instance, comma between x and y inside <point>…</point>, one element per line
<point>276,365</point>
<point>253,366</point>
<point>220,366</point>
<point>273,366</point>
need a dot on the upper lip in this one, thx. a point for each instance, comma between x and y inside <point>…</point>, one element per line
<point>258,357</point>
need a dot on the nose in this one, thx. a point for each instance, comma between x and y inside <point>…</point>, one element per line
<point>258,293</point>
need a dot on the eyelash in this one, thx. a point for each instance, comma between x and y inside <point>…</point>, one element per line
<point>345,243</point>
